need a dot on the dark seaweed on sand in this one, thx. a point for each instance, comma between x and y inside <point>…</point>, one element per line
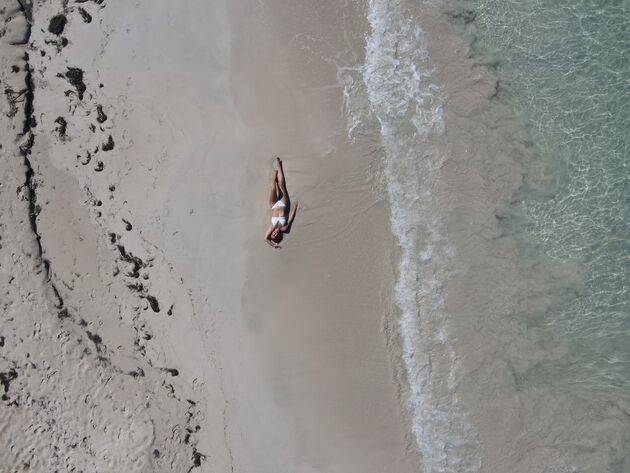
<point>101,117</point>
<point>75,77</point>
<point>153,302</point>
<point>85,15</point>
<point>57,24</point>
<point>62,126</point>
<point>109,144</point>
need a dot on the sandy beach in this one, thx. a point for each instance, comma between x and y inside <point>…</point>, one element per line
<point>187,342</point>
<point>449,299</point>
<point>322,340</point>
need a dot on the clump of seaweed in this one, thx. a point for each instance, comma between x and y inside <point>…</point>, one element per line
<point>87,18</point>
<point>109,144</point>
<point>13,98</point>
<point>57,24</point>
<point>62,126</point>
<point>74,75</point>
<point>101,117</point>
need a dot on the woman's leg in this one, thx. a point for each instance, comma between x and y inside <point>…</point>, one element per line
<point>273,195</point>
<point>280,176</point>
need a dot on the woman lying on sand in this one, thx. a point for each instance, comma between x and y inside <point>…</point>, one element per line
<point>279,203</point>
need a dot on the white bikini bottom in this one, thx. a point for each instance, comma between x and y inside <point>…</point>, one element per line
<point>278,220</point>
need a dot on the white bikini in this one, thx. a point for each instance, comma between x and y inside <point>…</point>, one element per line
<point>281,221</point>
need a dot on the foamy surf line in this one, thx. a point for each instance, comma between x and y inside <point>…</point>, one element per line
<point>398,97</point>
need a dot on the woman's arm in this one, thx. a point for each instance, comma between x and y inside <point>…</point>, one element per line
<point>291,216</point>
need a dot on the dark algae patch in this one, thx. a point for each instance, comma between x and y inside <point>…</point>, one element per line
<point>101,117</point>
<point>96,339</point>
<point>62,126</point>
<point>85,15</point>
<point>136,263</point>
<point>153,302</point>
<point>197,458</point>
<point>57,24</point>
<point>74,75</point>
<point>128,225</point>
<point>109,144</point>
<point>5,380</point>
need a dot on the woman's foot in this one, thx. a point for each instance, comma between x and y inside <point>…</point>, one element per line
<point>278,164</point>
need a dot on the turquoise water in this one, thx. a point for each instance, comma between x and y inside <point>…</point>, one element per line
<point>560,374</point>
<point>564,67</point>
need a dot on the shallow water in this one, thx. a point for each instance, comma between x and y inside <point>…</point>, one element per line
<point>564,69</point>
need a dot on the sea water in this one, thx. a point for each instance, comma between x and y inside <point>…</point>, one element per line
<point>563,69</point>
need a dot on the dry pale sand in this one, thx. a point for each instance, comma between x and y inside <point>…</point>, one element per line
<point>101,364</point>
<point>314,312</point>
<point>145,324</point>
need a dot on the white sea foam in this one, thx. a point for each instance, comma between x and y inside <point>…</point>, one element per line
<point>397,95</point>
